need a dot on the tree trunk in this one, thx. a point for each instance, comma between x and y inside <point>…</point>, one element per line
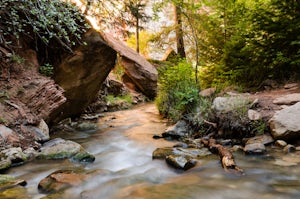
<point>226,156</point>
<point>179,32</point>
<point>137,36</point>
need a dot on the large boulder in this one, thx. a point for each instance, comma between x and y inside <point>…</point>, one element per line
<point>137,68</point>
<point>285,124</point>
<point>82,73</point>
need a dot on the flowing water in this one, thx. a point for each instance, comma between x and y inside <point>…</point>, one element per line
<point>123,149</point>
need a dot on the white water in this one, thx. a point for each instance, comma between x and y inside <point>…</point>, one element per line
<point>123,148</point>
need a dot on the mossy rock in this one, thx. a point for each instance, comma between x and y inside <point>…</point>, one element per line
<point>83,156</point>
<point>162,153</point>
<point>5,164</point>
<point>7,181</point>
<point>62,149</point>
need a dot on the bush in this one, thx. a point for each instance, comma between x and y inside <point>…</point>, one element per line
<point>41,21</point>
<point>177,90</point>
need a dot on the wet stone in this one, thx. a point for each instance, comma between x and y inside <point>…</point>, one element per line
<point>60,149</point>
<point>15,155</point>
<point>255,149</point>
<point>180,162</point>
<point>264,139</point>
<point>162,153</point>
<point>280,143</point>
<point>237,148</point>
<point>7,181</point>
<point>64,179</point>
<point>289,148</point>
<point>177,131</point>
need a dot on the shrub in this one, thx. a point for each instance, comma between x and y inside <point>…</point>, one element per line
<point>177,90</point>
<point>42,21</point>
<point>47,70</point>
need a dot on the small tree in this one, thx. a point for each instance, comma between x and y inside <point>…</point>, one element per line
<point>136,10</point>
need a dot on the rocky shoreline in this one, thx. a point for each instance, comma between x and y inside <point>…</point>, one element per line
<point>274,112</point>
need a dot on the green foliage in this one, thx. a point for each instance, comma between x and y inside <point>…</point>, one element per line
<point>17,59</point>
<point>47,70</point>
<point>143,44</point>
<point>42,21</point>
<point>111,99</point>
<point>268,47</point>
<point>258,127</point>
<point>177,90</point>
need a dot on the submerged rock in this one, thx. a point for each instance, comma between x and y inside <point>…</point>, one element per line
<point>285,124</point>
<point>63,179</point>
<point>60,149</point>
<point>7,181</point>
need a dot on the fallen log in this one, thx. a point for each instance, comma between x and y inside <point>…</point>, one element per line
<point>226,157</point>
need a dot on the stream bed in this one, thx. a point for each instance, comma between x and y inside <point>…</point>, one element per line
<point>123,149</point>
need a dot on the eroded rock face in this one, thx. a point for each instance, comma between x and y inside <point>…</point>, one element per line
<point>137,68</point>
<point>285,124</point>
<point>82,73</point>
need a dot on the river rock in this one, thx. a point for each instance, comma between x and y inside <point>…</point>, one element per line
<point>253,115</point>
<point>177,131</point>
<point>39,133</point>
<point>7,135</point>
<point>289,148</point>
<point>288,99</point>
<point>60,149</point>
<point>285,124</point>
<point>87,126</point>
<point>181,162</point>
<point>63,179</point>
<point>7,181</point>
<point>226,104</point>
<point>255,149</point>
<point>15,155</point>
<point>162,153</point>
<point>264,139</point>
<point>280,143</point>
<point>289,159</point>
<point>81,74</point>
<point>5,163</point>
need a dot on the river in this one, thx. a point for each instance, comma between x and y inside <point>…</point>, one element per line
<point>123,149</point>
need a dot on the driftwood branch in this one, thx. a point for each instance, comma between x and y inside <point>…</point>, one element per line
<point>226,156</point>
<point>211,123</point>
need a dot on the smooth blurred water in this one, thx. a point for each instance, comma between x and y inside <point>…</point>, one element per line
<point>123,148</point>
